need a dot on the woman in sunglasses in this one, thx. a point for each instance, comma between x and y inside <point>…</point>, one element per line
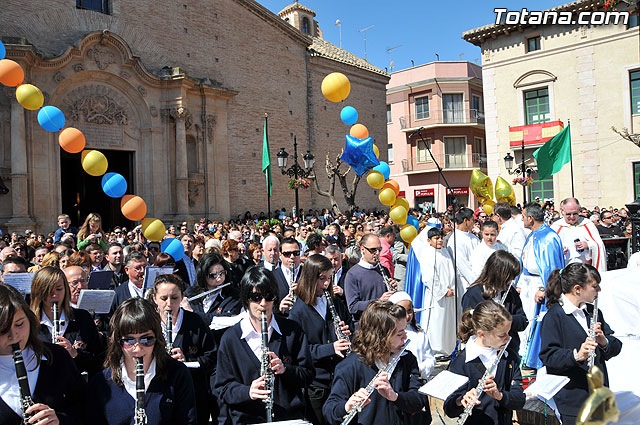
<point>312,313</point>
<point>77,330</point>
<point>136,332</point>
<point>191,341</point>
<point>239,384</point>
<point>57,389</point>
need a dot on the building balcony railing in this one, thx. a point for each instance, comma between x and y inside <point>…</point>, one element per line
<point>442,116</point>
<point>446,161</point>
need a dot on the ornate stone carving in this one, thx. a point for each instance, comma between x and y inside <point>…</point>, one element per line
<point>124,74</point>
<point>58,77</point>
<point>196,186</point>
<point>96,105</point>
<point>78,67</point>
<point>153,111</point>
<point>211,123</point>
<point>182,113</point>
<point>142,90</point>
<point>102,55</point>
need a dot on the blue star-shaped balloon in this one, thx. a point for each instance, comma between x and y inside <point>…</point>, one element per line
<point>359,154</point>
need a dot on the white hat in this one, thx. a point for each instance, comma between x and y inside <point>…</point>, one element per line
<point>400,296</point>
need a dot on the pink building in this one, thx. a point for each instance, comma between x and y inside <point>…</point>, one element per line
<point>445,100</point>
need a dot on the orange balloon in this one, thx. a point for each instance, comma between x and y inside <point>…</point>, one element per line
<point>71,140</point>
<point>11,73</point>
<point>392,184</point>
<point>359,131</point>
<point>133,207</point>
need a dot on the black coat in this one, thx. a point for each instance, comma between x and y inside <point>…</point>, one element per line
<point>82,332</point>
<point>122,294</point>
<point>512,303</point>
<point>560,334</point>
<point>227,305</point>
<point>59,386</point>
<point>489,411</point>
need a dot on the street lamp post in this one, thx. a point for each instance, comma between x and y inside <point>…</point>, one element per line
<point>526,172</point>
<point>295,171</point>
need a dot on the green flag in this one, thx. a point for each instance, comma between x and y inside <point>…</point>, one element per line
<point>266,160</point>
<point>554,154</point>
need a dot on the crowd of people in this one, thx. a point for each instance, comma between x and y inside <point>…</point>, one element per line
<point>317,316</point>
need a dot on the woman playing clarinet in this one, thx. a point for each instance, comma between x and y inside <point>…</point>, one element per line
<point>37,380</point>
<point>135,333</point>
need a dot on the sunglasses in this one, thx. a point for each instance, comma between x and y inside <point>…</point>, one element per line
<point>372,250</point>
<point>290,253</point>
<point>256,297</point>
<point>216,275</point>
<point>145,341</point>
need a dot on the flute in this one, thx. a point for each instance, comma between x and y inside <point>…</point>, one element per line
<point>169,333</point>
<point>357,408</point>
<point>210,291</point>
<point>336,319</point>
<point>23,383</point>
<point>504,296</point>
<point>265,367</point>
<point>292,280</point>
<point>56,324</point>
<point>140,414</point>
<point>480,387</point>
<point>387,282</point>
<point>592,333</point>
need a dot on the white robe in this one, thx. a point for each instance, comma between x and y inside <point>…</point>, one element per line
<point>439,320</point>
<point>481,254</point>
<point>513,236</point>
<point>464,244</point>
<point>585,231</point>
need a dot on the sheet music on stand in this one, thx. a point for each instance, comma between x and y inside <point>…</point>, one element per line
<point>100,279</point>
<point>443,385</point>
<point>20,281</point>
<point>152,272</point>
<point>96,300</point>
<point>546,385</point>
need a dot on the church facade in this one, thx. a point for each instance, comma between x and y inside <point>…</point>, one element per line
<point>175,97</point>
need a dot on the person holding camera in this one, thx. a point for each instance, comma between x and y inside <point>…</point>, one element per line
<point>91,233</point>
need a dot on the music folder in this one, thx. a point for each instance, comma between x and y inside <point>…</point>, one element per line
<point>100,279</point>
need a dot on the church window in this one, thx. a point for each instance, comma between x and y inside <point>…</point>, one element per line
<point>192,155</point>
<point>635,92</point>
<point>101,6</point>
<point>305,25</point>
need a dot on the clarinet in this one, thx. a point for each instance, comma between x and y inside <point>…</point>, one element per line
<point>23,382</point>
<point>387,282</point>
<point>265,367</point>
<point>141,414</point>
<point>56,324</point>
<point>592,333</point>
<point>479,388</point>
<point>357,408</point>
<point>336,319</point>
<point>292,294</point>
<point>169,333</point>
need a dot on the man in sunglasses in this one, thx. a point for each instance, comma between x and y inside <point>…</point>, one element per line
<point>581,240</point>
<point>290,255</point>
<point>364,283</point>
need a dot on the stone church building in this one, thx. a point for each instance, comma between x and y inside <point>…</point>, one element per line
<point>174,94</point>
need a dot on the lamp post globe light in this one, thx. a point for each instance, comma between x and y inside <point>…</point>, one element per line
<point>521,170</point>
<point>295,171</point>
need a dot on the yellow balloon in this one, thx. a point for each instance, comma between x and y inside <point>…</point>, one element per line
<point>376,151</point>
<point>387,196</point>
<point>375,179</point>
<point>336,87</point>
<point>398,214</point>
<point>30,97</point>
<point>408,233</point>
<point>504,190</point>
<point>512,199</point>
<point>94,162</point>
<point>487,207</point>
<point>153,229</point>
<point>403,202</point>
<point>481,185</point>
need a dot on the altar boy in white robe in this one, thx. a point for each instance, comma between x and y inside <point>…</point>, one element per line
<point>489,245</point>
<point>462,243</point>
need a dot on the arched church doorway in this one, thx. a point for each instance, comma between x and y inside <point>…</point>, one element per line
<point>82,194</point>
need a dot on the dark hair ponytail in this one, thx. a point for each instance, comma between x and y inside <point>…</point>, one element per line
<point>486,316</point>
<point>562,281</point>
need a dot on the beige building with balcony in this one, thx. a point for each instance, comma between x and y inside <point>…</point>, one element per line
<point>535,75</point>
<point>444,100</point>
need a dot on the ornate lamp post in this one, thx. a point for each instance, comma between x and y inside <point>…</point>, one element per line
<point>522,170</point>
<point>295,171</point>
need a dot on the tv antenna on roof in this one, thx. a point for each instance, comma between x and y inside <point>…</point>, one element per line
<point>364,33</point>
<point>389,50</point>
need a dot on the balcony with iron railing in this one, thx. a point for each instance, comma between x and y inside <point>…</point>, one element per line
<point>450,117</point>
<point>446,161</point>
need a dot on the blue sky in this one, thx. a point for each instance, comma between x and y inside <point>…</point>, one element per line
<point>421,28</point>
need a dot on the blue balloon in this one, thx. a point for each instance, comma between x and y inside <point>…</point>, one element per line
<point>114,185</point>
<point>359,154</point>
<point>51,118</point>
<point>3,51</point>
<point>173,247</point>
<point>349,115</point>
<point>384,169</point>
<point>414,222</point>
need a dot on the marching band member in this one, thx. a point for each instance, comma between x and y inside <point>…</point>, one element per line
<point>75,329</point>
<point>312,312</point>
<point>239,384</point>
<point>55,388</point>
<point>565,335</point>
<point>380,336</point>
<point>135,332</point>
<point>485,329</point>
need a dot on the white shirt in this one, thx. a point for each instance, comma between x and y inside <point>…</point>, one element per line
<point>321,306</point>
<point>44,320</point>
<point>253,338</point>
<point>481,254</point>
<point>210,299</point>
<point>175,327</point>
<point>337,276</point>
<point>135,291</point>
<point>474,350</point>
<point>577,312</point>
<point>366,265</point>
<point>130,386</point>
<point>9,388</point>
<point>513,236</point>
<point>286,271</point>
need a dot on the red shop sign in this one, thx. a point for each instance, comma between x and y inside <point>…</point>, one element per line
<point>423,192</point>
